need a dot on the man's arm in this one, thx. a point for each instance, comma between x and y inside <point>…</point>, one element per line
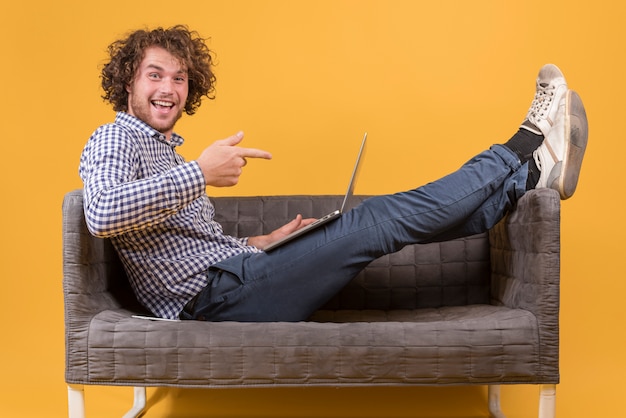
<point>116,199</point>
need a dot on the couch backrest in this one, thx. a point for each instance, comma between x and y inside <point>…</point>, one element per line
<point>419,276</point>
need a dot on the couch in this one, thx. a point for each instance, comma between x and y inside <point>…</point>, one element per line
<point>482,310</point>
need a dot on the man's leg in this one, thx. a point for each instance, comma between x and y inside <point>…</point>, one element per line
<point>289,283</point>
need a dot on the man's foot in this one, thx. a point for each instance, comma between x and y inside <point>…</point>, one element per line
<point>561,155</point>
<point>551,86</point>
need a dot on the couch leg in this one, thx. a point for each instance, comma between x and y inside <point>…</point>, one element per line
<point>139,403</point>
<point>494,401</point>
<point>76,401</point>
<point>547,401</point>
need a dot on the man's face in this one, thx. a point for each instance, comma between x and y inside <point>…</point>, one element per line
<point>158,93</point>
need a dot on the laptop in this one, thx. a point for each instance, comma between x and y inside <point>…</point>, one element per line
<point>334,214</point>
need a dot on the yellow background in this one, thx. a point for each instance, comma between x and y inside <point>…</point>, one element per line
<point>432,82</point>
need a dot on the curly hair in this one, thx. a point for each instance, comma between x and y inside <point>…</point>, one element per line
<point>127,54</point>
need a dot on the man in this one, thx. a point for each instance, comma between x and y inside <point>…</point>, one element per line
<point>153,205</point>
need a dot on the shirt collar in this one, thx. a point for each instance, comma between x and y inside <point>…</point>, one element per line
<point>125,119</point>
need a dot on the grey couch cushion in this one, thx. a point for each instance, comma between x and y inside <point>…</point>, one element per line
<point>469,344</point>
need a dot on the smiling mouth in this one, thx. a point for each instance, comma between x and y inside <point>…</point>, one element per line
<point>162,104</point>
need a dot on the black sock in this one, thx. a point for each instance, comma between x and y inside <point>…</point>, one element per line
<point>533,174</point>
<point>523,143</point>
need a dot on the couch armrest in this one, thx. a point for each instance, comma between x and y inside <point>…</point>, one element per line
<point>93,281</point>
<point>525,264</point>
<point>93,275</point>
<point>525,254</point>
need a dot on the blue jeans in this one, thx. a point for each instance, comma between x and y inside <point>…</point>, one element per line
<point>291,282</point>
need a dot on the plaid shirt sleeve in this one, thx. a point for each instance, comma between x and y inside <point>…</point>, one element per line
<point>119,195</point>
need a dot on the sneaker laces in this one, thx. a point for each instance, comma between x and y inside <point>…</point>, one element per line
<point>543,98</point>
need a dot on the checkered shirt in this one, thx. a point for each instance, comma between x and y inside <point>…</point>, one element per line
<point>153,205</point>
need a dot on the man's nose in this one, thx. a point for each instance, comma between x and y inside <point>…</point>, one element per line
<point>167,85</point>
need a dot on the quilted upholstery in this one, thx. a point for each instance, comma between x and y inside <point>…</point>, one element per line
<point>479,310</point>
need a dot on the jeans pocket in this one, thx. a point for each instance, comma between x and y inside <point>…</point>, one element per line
<point>216,298</point>
<point>221,284</point>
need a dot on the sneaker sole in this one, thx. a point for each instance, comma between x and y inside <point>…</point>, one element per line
<point>564,176</point>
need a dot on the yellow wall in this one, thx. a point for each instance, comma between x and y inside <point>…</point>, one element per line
<point>432,82</point>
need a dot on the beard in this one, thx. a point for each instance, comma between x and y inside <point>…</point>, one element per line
<point>144,110</point>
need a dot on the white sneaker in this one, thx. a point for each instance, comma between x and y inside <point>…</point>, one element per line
<point>551,86</point>
<point>560,156</point>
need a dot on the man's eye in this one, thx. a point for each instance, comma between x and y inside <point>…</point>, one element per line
<point>153,75</point>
